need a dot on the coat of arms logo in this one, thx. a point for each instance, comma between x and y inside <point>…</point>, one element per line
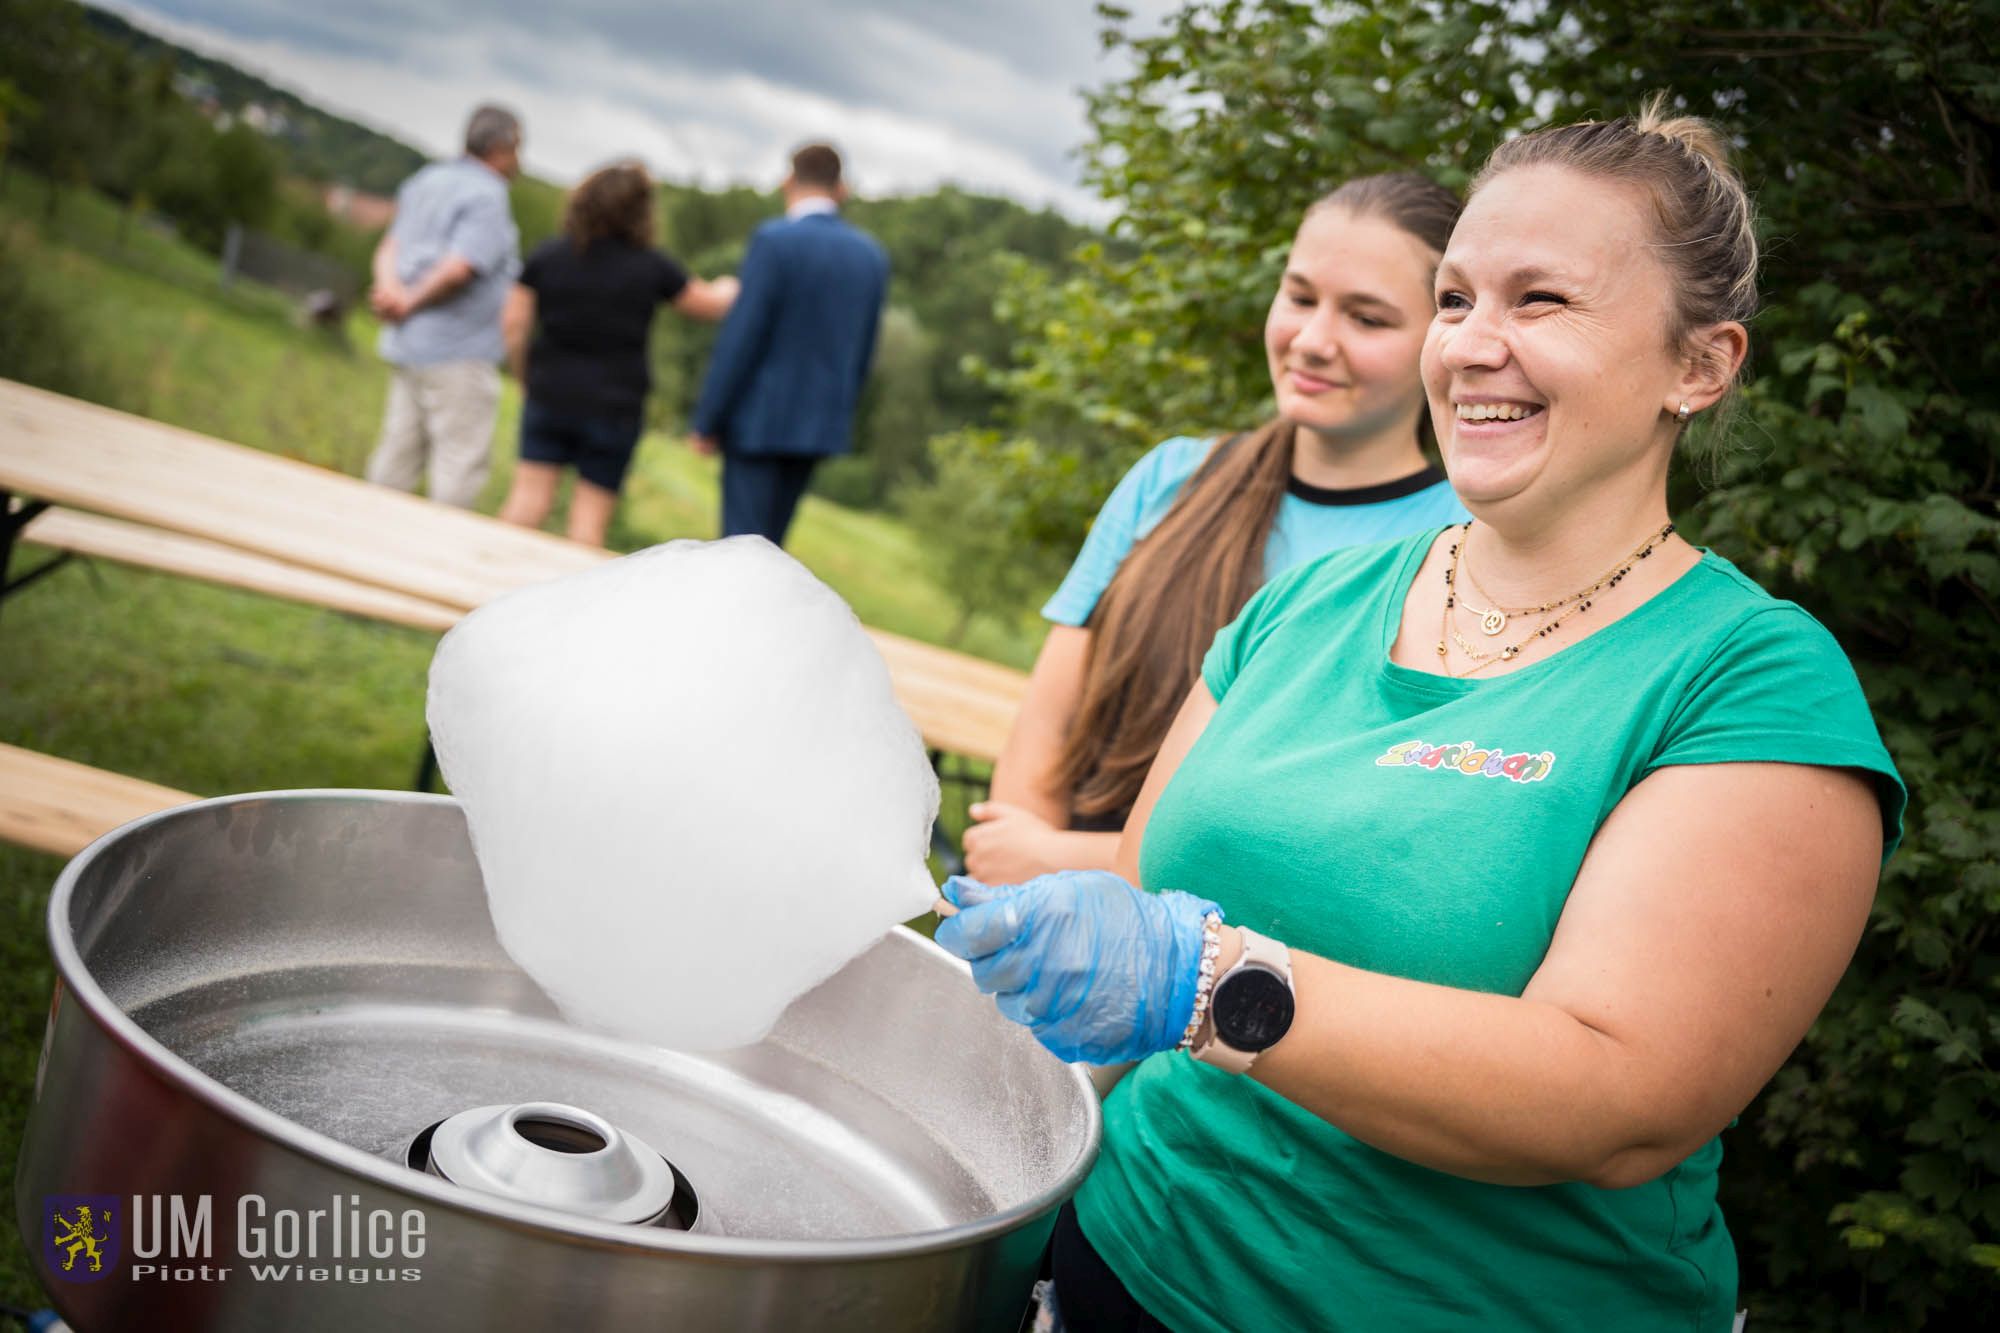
<point>80,1242</point>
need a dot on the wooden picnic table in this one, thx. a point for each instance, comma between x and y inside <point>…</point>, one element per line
<point>193,505</point>
<point>106,462</point>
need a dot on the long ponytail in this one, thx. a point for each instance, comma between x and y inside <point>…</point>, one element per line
<point>1192,574</point>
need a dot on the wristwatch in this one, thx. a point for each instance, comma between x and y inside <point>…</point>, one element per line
<point>1251,1008</point>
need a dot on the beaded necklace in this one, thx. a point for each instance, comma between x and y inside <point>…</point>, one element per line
<point>1576,602</point>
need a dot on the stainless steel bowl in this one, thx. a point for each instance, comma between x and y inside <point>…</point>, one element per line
<point>271,1001</point>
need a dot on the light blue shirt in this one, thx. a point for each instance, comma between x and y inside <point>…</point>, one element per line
<point>1311,521</point>
<point>454,208</point>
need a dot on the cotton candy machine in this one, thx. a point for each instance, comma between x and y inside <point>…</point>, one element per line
<point>286,1044</point>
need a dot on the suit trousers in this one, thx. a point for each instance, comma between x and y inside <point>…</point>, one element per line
<point>440,419</point>
<point>760,492</point>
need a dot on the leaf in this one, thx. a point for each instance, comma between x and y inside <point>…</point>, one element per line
<point>1882,418</point>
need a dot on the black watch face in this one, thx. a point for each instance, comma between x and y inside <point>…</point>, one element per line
<point>1252,1008</point>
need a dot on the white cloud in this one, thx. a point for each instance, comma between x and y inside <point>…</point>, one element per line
<point>915,95</point>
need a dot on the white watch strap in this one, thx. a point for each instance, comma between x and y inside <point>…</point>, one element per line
<point>1258,951</point>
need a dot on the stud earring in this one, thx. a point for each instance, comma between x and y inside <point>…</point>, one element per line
<point>1683,415</point>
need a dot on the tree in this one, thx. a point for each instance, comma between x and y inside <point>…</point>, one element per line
<point>1865,489</point>
<point>896,418</point>
<point>16,109</point>
<point>1234,118</point>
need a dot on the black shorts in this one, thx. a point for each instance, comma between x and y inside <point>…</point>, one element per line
<point>598,447</point>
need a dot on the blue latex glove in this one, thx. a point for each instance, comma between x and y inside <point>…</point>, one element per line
<point>1097,970</point>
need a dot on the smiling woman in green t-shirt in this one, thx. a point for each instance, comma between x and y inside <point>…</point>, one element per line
<point>1540,840</point>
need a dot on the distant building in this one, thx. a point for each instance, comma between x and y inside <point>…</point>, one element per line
<point>199,91</point>
<point>370,212</point>
<point>266,121</point>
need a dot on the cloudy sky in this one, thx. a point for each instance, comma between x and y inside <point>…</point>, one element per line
<point>983,93</point>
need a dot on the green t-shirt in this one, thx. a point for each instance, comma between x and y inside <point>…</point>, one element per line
<point>1431,828</point>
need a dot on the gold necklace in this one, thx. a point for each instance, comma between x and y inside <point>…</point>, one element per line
<point>1465,646</point>
<point>1576,602</point>
<point>1493,619</point>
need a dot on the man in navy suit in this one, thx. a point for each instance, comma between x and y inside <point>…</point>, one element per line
<point>794,352</point>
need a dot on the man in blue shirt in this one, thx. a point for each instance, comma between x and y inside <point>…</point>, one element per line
<point>792,356</point>
<point>442,273</point>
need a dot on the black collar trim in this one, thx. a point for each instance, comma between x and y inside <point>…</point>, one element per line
<point>1364,495</point>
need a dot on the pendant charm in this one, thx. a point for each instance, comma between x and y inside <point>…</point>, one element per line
<point>1493,622</point>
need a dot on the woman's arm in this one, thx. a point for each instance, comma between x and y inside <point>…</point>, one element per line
<point>1181,736</point>
<point>1714,913</point>
<point>1022,830</point>
<point>707,300</point>
<point>1024,774</point>
<point>517,320</point>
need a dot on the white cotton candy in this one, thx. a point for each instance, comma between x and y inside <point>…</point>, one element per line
<point>691,791</point>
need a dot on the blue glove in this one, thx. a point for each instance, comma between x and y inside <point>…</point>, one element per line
<point>1097,970</point>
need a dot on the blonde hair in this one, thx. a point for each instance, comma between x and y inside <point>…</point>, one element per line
<point>1704,223</point>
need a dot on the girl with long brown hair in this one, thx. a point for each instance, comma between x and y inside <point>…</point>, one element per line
<point>1198,525</point>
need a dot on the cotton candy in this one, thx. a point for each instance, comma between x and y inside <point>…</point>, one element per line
<point>691,791</point>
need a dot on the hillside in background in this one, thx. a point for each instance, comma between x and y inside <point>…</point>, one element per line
<point>315,143</point>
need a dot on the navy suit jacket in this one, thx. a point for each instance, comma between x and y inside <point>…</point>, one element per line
<point>794,351</point>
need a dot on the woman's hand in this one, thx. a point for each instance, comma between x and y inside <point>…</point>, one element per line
<point>1097,970</point>
<point>1010,845</point>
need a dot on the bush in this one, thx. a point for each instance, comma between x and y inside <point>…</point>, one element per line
<point>37,345</point>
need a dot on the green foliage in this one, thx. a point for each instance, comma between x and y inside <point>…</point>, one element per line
<point>1866,491</point>
<point>105,116</point>
<point>968,520</point>
<point>36,345</point>
<point>317,144</point>
<point>1235,117</point>
<point>897,417</point>
<point>950,254</point>
<point>1864,1185</point>
<point>537,207</point>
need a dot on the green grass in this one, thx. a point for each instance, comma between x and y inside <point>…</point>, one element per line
<point>215,691</point>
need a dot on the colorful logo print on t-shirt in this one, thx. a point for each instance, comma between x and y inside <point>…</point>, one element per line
<point>1465,757</point>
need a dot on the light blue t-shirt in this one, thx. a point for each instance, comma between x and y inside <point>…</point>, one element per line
<point>454,208</point>
<point>1311,521</point>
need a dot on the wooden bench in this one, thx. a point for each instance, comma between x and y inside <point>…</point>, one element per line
<point>53,805</point>
<point>152,495</point>
<point>193,557</point>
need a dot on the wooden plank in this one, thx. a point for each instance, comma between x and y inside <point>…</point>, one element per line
<point>193,557</point>
<point>54,805</point>
<point>90,457</point>
<point>962,705</point>
<point>303,517</point>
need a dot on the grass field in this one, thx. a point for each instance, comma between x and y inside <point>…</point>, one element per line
<point>215,691</point>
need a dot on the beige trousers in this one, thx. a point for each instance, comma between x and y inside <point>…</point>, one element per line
<point>441,418</point>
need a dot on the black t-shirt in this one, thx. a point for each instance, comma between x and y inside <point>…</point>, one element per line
<point>593,313</point>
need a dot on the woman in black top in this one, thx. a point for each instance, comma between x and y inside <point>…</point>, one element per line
<point>588,296</point>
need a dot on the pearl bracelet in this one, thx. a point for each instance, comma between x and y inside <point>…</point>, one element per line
<point>1204,981</point>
